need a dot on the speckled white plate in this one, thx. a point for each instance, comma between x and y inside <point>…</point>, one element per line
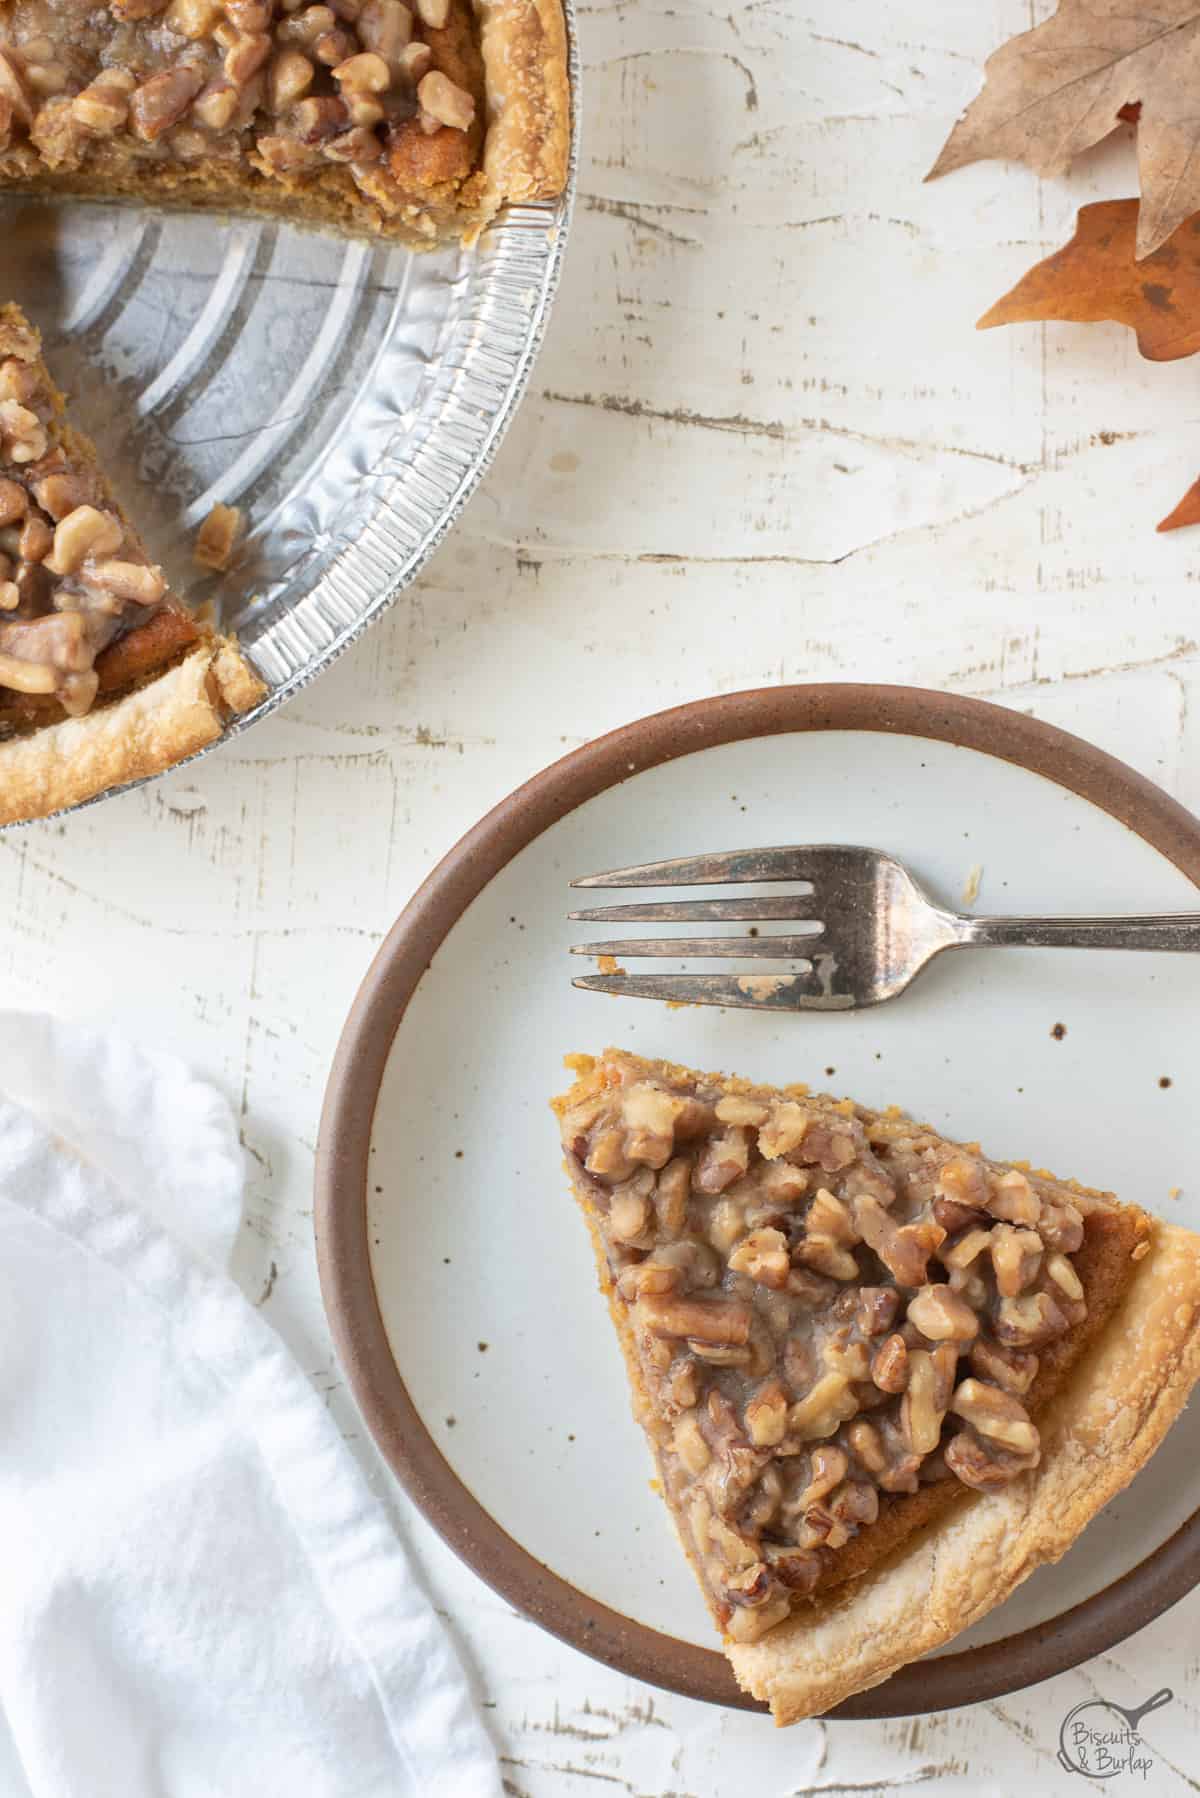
<point>440,1162</point>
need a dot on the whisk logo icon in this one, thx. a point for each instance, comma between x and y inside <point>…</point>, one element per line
<point>1101,1739</point>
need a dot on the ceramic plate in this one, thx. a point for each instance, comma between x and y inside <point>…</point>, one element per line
<point>457,1274</point>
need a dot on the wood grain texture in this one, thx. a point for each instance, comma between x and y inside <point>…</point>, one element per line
<point>764,443</point>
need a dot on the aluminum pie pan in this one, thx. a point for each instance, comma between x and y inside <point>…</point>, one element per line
<point>348,395</point>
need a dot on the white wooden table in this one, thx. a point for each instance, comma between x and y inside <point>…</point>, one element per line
<point>763,443</point>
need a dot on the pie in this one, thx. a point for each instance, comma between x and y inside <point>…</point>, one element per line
<point>369,116</point>
<point>104,674</point>
<point>883,1377</point>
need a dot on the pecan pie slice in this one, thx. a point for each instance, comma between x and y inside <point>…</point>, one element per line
<point>104,676</point>
<point>370,116</point>
<point>883,1377</point>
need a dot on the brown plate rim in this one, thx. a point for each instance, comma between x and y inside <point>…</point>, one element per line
<point>340,1211</point>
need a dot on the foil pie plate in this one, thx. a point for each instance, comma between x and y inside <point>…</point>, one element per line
<point>348,396</point>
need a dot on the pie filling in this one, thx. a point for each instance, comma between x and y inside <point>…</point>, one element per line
<point>270,91</point>
<point>822,1308</point>
<point>72,578</point>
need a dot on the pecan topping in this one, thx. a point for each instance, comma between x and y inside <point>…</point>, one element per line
<point>167,77</point>
<point>64,595</point>
<point>819,1322</point>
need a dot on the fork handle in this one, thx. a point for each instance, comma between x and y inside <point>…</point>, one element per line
<point>1156,930</point>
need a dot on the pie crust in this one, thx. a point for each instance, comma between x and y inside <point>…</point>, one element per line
<point>149,729</point>
<point>401,173</point>
<point>757,1246</point>
<point>165,686</point>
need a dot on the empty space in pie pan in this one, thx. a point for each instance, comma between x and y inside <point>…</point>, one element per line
<point>456,1271</point>
<point>346,395</point>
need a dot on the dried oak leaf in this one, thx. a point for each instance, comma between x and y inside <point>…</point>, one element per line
<point>1058,89</point>
<point>1186,512</point>
<point>1096,276</point>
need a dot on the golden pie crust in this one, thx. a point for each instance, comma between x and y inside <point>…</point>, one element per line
<point>935,1559</point>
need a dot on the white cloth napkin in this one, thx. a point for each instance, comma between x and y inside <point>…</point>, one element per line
<point>199,1597</point>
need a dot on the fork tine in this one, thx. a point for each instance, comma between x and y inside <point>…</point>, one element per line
<point>689,948</point>
<point>710,870</point>
<point>787,909</point>
<point>748,992</point>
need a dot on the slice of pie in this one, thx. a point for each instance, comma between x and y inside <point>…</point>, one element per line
<point>884,1378</point>
<point>104,675</point>
<point>369,116</point>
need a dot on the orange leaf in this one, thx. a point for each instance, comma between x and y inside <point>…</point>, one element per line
<point>1186,512</point>
<point>1095,277</point>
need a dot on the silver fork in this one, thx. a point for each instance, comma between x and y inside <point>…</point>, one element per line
<point>867,929</point>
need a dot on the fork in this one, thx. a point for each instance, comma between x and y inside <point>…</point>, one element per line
<point>866,929</point>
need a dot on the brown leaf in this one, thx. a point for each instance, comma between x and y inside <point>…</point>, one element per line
<point>1186,512</point>
<point>1095,277</point>
<point>1058,89</point>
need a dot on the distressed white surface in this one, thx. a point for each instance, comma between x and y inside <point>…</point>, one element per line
<point>763,443</point>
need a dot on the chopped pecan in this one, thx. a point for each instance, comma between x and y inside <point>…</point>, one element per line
<point>701,1320</point>
<point>22,434</point>
<point>954,1216</point>
<point>797,1569</point>
<point>829,1467</point>
<point>964,1180</point>
<point>59,493</point>
<point>14,502</point>
<point>877,1308</point>
<point>976,1464</point>
<point>819,1413</point>
<point>996,1415</point>
<point>763,1257</point>
<point>904,1249</point>
<point>889,1368</point>
<point>13,87</point>
<point>82,533</point>
<point>1016,1257</point>
<point>942,1316</point>
<point>826,1256</point>
<point>866,1445</point>
<point>671,1192</point>
<point>414,62</point>
<point>1061,1227</point>
<point>103,107</point>
<point>1014,1199</point>
<point>920,1412</point>
<point>385,26</point>
<point>162,101</point>
<point>1028,1321</point>
<point>134,581</point>
<point>36,540</point>
<point>965,1249</point>
<point>629,1215</point>
<point>723,1160</point>
<point>193,19</point>
<point>1060,1270</point>
<point>687,1441</point>
<point>784,1130</point>
<point>767,1415</point>
<point>1000,1366</point>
